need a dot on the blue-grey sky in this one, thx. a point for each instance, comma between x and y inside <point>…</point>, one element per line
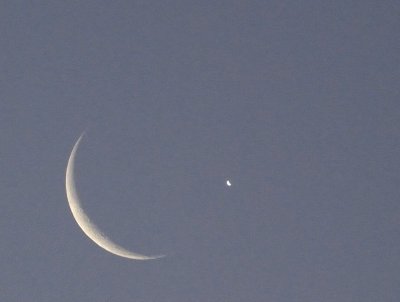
<point>296,102</point>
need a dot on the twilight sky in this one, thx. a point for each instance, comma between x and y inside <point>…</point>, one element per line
<point>297,103</point>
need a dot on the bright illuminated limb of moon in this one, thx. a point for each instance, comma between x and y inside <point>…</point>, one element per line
<point>228,183</point>
<point>87,226</point>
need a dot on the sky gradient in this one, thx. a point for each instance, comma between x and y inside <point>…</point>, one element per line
<point>297,104</point>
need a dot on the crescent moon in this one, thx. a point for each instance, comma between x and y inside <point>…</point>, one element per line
<point>87,226</point>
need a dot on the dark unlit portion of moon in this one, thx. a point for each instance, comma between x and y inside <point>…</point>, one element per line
<point>87,226</point>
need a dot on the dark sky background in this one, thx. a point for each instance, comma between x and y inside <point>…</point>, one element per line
<point>296,102</point>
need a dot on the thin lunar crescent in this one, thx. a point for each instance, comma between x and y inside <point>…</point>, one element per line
<point>87,226</point>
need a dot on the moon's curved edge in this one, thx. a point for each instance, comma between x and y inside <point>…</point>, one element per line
<point>84,222</point>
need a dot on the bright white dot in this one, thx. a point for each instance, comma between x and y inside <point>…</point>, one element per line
<point>228,183</point>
